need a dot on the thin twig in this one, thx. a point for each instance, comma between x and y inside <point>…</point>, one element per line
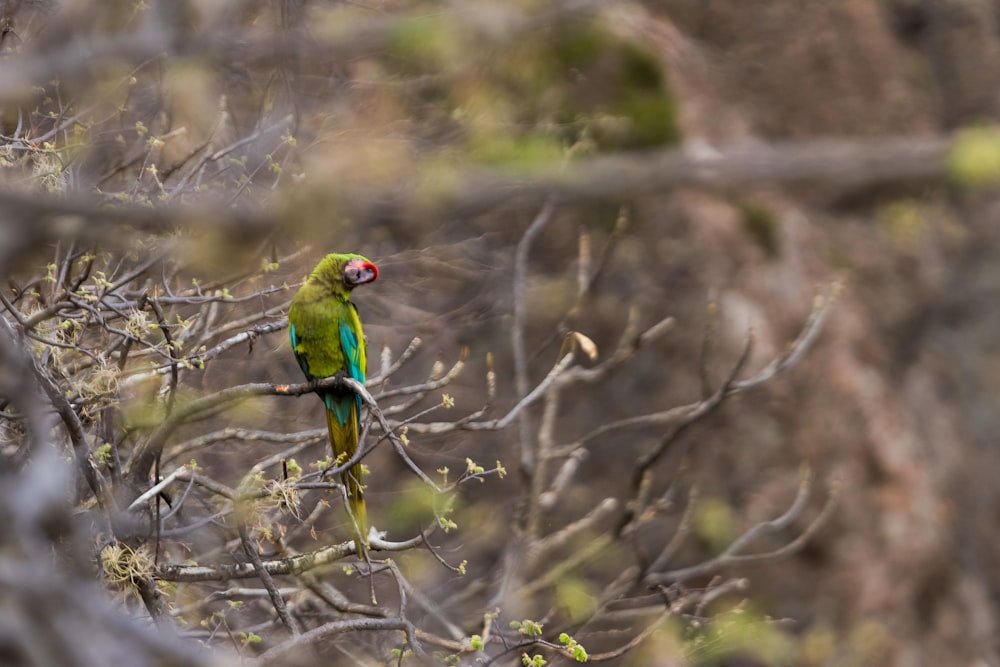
<point>519,280</point>
<point>268,582</point>
<point>153,490</point>
<point>290,565</point>
<point>328,631</point>
<point>732,556</point>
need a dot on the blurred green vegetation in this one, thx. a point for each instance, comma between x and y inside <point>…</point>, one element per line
<point>975,156</point>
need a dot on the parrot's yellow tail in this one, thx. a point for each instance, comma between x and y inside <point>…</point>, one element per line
<point>344,439</point>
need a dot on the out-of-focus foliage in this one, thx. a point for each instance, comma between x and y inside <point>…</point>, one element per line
<point>975,157</point>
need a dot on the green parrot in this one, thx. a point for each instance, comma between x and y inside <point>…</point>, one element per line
<point>327,340</point>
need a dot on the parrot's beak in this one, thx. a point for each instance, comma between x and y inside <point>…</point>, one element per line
<point>358,272</point>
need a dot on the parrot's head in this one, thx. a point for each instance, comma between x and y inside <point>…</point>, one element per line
<point>339,274</point>
<point>358,271</point>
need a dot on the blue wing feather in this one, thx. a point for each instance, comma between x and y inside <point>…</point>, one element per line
<point>352,350</point>
<point>295,348</point>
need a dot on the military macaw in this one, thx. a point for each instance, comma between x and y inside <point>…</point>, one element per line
<point>327,339</point>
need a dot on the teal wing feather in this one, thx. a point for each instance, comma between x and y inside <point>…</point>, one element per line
<point>298,355</point>
<point>354,351</point>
